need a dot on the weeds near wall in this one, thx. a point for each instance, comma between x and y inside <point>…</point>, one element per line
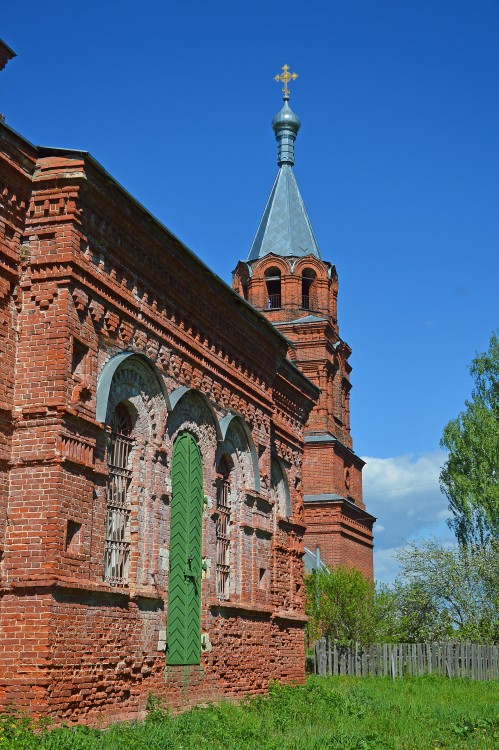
<point>328,713</point>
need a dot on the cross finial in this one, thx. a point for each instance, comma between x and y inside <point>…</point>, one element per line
<point>285,77</point>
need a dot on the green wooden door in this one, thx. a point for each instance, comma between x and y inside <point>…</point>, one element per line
<point>184,583</point>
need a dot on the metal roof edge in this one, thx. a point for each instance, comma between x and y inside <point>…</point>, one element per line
<point>328,437</point>
<point>325,437</point>
<point>309,319</point>
<point>301,375</point>
<point>18,135</point>
<point>323,497</point>
<point>9,49</point>
<point>48,150</point>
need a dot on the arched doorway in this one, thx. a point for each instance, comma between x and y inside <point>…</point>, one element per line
<point>184,582</point>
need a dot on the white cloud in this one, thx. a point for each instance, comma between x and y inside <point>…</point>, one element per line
<point>404,494</point>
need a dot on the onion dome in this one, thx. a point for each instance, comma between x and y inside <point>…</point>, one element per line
<point>286,126</point>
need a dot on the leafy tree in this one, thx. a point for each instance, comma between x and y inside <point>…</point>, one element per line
<point>340,605</point>
<point>415,616</point>
<point>386,614</point>
<point>448,592</point>
<point>470,477</point>
<point>442,593</point>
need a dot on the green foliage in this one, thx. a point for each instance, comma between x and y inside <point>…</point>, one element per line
<point>341,713</point>
<point>419,617</point>
<point>447,593</point>
<point>340,605</point>
<point>385,614</point>
<point>442,593</point>
<point>470,477</point>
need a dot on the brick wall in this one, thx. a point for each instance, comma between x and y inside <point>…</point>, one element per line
<point>97,277</point>
<point>330,467</point>
<point>343,533</point>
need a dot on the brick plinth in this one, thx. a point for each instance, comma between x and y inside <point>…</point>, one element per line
<point>93,655</point>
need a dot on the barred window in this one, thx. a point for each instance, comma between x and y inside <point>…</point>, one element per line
<point>117,545</point>
<point>223,533</point>
<point>308,289</point>
<point>273,281</point>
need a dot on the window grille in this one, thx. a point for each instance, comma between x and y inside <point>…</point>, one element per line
<point>308,289</point>
<point>274,301</point>
<point>117,546</point>
<point>223,537</point>
<point>273,281</point>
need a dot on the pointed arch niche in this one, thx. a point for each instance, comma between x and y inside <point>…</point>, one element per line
<point>193,412</point>
<point>133,404</point>
<point>237,443</point>
<point>237,484</point>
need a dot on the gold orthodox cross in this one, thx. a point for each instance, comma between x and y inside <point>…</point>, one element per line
<point>285,77</point>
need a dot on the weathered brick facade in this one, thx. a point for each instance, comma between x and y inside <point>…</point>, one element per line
<point>116,343</point>
<point>285,277</point>
<point>102,306</point>
<point>335,514</point>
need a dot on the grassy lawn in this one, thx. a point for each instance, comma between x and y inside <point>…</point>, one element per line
<point>328,712</point>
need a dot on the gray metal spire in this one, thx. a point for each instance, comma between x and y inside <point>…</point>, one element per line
<point>285,228</point>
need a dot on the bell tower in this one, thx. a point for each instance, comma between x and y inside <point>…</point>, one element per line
<point>286,278</point>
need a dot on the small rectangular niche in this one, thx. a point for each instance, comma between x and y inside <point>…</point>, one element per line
<point>73,537</point>
<point>262,578</point>
<point>78,357</point>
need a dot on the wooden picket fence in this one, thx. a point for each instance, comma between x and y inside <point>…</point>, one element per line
<point>478,662</point>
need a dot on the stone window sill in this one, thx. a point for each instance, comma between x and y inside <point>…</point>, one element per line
<point>260,609</point>
<point>293,616</point>
<point>68,582</point>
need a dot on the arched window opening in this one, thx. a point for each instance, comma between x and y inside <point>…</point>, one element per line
<point>345,402</point>
<point>273,281</point>
<point>117,543</point>
<point>223,531</point>
<point>308,288</point>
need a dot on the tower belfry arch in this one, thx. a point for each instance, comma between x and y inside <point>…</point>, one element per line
<point>286,278</point>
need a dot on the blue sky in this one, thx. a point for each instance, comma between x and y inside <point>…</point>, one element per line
<point>397,161</point>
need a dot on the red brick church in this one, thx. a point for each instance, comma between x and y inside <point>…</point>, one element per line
<point>164,460</point>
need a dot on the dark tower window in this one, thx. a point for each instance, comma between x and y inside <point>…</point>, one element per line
<point>273,281</point>
<point>307,289</point>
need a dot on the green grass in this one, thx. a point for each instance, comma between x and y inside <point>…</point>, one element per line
<point>339,712</point>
